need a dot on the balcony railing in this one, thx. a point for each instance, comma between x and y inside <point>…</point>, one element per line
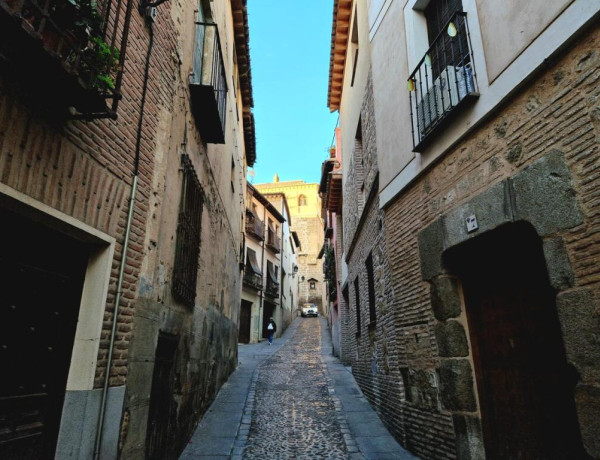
<point>273,242</point>
<point>67,53</point>
<point>272,289</point>
<point>252,280</point>
<point>443,80</point>
<point>255,227</point>
<point>208,84</point>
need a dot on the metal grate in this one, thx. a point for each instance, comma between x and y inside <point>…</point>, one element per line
<point>209,69</point>
<point>185,269</point>
<point>85,44</point>
<point>443,79</point>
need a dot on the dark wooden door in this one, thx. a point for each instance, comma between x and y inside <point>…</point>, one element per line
<point>41,278</point>
<point>526,388</point>
<point>162,413</point>
<point>245,319</point>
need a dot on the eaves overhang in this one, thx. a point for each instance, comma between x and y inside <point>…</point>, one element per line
<point>340,33</point>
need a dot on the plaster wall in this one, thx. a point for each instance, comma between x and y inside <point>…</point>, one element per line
<point>508,44</point>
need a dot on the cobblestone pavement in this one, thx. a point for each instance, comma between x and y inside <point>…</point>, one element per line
<point>294,415</point>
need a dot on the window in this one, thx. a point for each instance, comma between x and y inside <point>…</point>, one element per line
<point>313,285</point>
<point>185,267</point>
<point>357,305</point>
<point>301,200</point>
<point>371,286</point>
<point>444,76</point>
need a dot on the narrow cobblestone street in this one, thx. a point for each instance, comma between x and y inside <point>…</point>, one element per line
<point>292,400</point>
<point>294,415</point>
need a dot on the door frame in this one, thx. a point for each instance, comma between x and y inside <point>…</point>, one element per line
<point>84,357</point>
<point>551,208</point>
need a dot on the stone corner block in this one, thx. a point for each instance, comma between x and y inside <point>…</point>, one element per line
<point>587,400</point>
<point>451,339</point>
<point>491,208</point>
<point>580,324</point>
<point>445,298</point>
<point>469,437</point>
<point>559,267</point>
<point>544,195</point>
<point>431,246</point>
<point>456,377</point>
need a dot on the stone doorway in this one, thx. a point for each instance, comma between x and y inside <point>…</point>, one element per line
<point>525,386</point>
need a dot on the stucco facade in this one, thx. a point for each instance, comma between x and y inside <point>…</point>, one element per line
<point>267,259</point>
<point>305,209</point>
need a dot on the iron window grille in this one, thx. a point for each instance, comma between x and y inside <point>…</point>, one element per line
<point>443,80</point>
<point>208,83</point>
<point>69,53</point>
<point>187,250</point>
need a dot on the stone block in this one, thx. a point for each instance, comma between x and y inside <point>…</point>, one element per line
<point>451,339</point>
<point>579,320</point>
<point>587,399</point>
<point>431,245</point>
<point>491,208</point>
<point>456,378</point>
<point>469,437</point>
<point>445,298</point>
<point>544,195</point>
<point>558,264</point>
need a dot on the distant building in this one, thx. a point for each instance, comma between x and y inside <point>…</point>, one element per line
<point>270,284</point>
<point>305,209</point>
<point>330,191</point>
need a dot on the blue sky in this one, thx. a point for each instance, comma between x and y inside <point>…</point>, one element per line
<point>289,50</point>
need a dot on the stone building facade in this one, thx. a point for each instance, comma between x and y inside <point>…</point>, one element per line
<point>270,284</point>
<point>484,259</point>
<point>93,197</point>
<point>305,209</point>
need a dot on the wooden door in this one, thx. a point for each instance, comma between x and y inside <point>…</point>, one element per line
<point>41,278</point>
<point>245,320</point>
<point>526,388</point>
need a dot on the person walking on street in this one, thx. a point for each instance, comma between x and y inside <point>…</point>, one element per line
<point>271,329</point>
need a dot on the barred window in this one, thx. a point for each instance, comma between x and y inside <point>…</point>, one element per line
<point>187,250</point>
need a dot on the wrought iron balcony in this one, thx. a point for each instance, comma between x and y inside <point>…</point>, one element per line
<point>273,242</point>
<point>252,280</point>
<point>208,84</point>
<point>443,80</point>
<point>255,227</point>
<point>66,53</point>
<point>272,289</point>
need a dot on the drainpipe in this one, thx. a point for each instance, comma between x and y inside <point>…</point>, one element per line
<point>113,333</point>
<point>281,267</point>
<point>262,266</point>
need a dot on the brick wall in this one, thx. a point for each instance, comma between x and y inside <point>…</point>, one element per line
<point>559,109</point>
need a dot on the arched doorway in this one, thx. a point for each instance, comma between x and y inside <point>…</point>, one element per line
<point>525,386</point>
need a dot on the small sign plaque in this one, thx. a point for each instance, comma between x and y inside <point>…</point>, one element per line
<point>472,223</point>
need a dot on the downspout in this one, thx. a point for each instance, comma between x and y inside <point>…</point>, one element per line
<point>262,265</point>
<point>113,333</point>
<point>281,259</point>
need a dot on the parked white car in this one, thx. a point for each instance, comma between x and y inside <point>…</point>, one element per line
<point>309,309</point>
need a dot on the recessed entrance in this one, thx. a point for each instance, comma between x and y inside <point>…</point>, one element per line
<point>245,320</point>
<point>525,386</point>
<point>42,273</point>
